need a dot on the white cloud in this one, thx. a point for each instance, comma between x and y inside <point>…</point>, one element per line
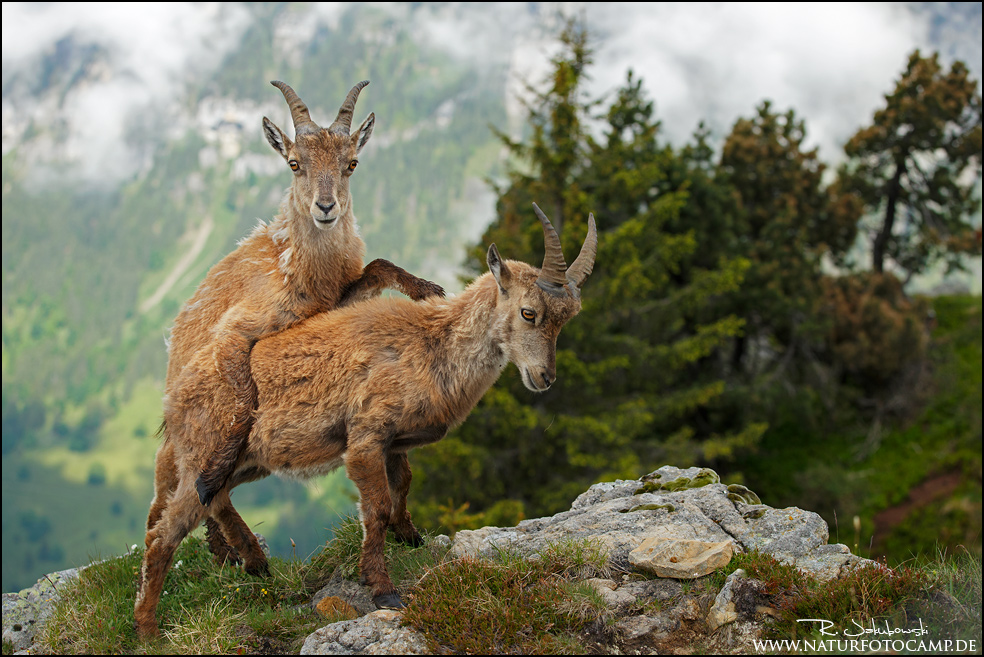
<point>832,63</point>
<point>146,54</point>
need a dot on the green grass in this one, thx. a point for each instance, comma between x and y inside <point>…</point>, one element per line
<point>514,603</point>
<point>340,557</point>
<point>205,608</point>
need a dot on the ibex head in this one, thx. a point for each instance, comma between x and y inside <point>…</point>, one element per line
<point>322,159</point>
<point>534,305</point>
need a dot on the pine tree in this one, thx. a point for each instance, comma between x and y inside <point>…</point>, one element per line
<point>912,168</point>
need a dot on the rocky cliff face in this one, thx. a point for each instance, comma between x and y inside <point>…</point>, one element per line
<point>672,525</point>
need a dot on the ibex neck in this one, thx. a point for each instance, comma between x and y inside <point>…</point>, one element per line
<point>317,262</point>
<point>469,329</point>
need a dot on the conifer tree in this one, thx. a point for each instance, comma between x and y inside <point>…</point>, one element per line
<point>916,166</point>
<point>785,221</point>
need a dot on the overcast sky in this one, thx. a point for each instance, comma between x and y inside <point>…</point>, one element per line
<point>831,62</point>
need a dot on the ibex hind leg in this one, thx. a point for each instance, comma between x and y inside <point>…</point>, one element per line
<point>165,481</point>
<point>399,476</point>
<point>222,552</point>
<point>183,513</point>
<point>238,534</point>
<point>221,463</point>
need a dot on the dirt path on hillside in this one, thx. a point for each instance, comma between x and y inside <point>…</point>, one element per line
<point>197,244</point>
<point>928,491</point>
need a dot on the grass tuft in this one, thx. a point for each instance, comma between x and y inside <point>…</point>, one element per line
<point>511,604</point>
<point>943,596</point>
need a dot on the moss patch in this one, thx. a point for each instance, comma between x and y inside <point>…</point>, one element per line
<point>703,478</point>
<point>738,493</point>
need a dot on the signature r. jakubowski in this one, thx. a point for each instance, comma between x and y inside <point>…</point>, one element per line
<point>862,630</point>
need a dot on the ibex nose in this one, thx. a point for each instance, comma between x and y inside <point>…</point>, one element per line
<point>325,207</point>
<point>548,379</point>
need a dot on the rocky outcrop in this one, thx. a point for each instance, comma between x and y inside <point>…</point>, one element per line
<point>25,613</point>
<point>671,525</point>
<point>673,507</point>
<point>377,633</point>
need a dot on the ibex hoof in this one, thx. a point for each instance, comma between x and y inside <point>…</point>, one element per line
<point>388,601</point>
<point>436,291</point>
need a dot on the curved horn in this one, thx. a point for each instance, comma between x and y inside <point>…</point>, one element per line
<point>343,122</point>
<point>584,263</point>
<point>298,110</point>
<point>554,265</point>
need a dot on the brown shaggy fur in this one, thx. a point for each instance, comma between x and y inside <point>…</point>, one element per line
<point>362,386</point>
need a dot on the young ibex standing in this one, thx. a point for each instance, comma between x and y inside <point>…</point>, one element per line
<point>363,385</point>
<point>309,259</point>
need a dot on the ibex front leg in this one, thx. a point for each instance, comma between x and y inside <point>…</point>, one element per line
<point>365,464</point>
<point>382,274</point>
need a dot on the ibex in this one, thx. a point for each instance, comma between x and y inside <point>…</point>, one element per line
<point>363,385</point>
<point>309,259</point>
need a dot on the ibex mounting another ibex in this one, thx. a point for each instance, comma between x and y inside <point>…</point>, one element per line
<point>309,259</point>
<point>362,385</point>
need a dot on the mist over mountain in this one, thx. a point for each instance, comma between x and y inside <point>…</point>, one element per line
<point>133,160</point>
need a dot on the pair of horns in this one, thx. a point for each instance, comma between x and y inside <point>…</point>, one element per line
<point>302,118</point>
<point>555,274</point>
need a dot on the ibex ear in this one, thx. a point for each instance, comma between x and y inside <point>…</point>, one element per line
<point>280,142</point>
<point>498,268</point>
<point>364,131</point>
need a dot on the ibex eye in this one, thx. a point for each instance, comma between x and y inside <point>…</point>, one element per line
<point>527,314</point>
<point>353,164</point>
<point>294,166</point>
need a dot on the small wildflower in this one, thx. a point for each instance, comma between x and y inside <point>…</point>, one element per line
<point>178,565</point>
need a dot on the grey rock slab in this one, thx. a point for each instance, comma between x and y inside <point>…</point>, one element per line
<point>670,503</point>
<point>723,610</point>
<point>26,612</point>
<point>351,592</point>
<point>615,599</point>
<point>378,633</point>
